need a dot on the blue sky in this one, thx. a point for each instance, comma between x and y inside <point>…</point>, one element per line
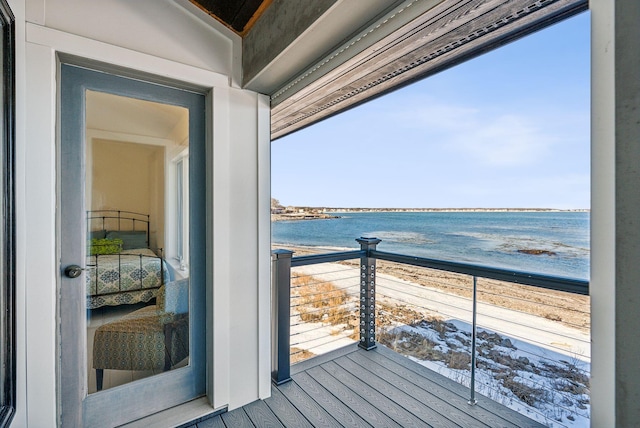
<point>507,129</point>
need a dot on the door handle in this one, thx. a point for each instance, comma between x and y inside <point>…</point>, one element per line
<point>73,271</point>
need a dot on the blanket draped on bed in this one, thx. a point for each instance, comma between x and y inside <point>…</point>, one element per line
<point>132,276</point>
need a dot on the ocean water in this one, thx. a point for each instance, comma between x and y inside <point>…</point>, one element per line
<point>481,238</point>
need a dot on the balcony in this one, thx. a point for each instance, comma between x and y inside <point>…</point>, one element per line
<point>479,343</point>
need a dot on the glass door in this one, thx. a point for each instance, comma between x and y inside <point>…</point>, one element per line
<point>132,263</point>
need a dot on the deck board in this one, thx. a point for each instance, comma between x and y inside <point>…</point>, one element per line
<point>261,415</point>
<point>447,385</point>
<point>428,407</point>
<point>441,401</point>
<point>315,413</point>
<point>237,418</point>
<point>288,414</point>
<point>352,387</point>
<point>370,413</point>
<point>333,405</point>
<point>375,397</point>
<point>215,422</point>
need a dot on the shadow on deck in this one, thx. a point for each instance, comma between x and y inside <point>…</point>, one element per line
<point>357,388</point>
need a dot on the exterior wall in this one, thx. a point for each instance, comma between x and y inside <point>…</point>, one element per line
<point>160,28</point>
<point>615,239</point>
<point>141,36</point>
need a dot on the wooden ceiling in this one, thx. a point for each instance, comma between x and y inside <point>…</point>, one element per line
<point>238,15</point>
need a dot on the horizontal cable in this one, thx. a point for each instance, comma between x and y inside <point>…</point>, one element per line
<point>533,341</point>
<point>427,308</point>
<point>577,326</point>
<point>399,299</point>
<point>431,286</point>
<point>346,287</point>
<point>520,299</point>
<point>299,295</point>
<point>319,315</point>
<point>559,334</point>
<point>318,338</point>
<point>470,300</point>
<point>295,274</point>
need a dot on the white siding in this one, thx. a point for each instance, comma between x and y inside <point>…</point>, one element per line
<point>161,28</point>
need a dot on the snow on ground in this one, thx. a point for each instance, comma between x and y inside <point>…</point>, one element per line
<point>535,366</point>
<point>318,338</point>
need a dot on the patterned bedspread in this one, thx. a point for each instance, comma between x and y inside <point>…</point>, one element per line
<point>129,277</point>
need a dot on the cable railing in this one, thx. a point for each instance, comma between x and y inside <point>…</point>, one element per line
<point>519,338</point>
<point>531,353</point>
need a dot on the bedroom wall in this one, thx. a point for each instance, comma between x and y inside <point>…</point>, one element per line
<point>122,176</point>
<point>129,177</point>
<point>141,36</point>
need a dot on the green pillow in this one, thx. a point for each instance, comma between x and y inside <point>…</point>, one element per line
<point>105,246</point>
<point>131,239</point>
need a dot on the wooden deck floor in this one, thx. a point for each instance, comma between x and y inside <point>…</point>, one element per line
<point>356,388</point>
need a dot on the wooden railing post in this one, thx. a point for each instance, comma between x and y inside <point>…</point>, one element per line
<point>367,294</point>
<point>281,308</point>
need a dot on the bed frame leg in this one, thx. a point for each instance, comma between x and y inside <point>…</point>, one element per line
<point>99,378</point>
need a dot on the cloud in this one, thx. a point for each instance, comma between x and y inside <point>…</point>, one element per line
<point>506,141</point>
<point>486,136</point>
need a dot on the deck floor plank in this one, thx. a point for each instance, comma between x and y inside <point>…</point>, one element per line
<point>261,415</point>
<point>355,402</point>
<point>306,400</point>
<point>237,418</point>
<point>416,373</point>
<point>379,398</point>
<point>215,422</point>
<point>427,406</point>
<point>288,414</point>
<point>444,402</point>
<point>355,388</point>
<point>328,401</point>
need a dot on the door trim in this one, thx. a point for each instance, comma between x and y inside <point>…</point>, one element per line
<point>8,228</point>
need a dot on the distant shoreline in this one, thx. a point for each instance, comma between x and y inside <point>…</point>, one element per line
<point>322,213</point>
<point>415,210</point>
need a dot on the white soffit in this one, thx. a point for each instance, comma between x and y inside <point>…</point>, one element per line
<point>331,29</point>
<point>371,32</point>
<point>415,39</point>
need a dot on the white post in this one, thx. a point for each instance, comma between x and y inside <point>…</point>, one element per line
<point>615,212</point>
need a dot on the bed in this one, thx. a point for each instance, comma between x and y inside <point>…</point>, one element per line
<point>121,266</point>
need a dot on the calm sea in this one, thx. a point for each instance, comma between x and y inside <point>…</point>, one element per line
<point>488,239</point>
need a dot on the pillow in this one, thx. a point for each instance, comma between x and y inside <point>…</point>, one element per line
<point>97,234</point>
<point>130,239</point>
<point>105,246</point>
<point>176,296</point>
